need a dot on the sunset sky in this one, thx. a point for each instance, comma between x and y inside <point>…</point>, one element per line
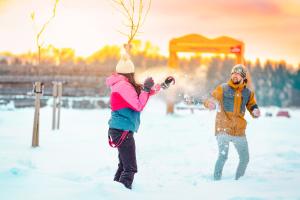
<point>269,28</point>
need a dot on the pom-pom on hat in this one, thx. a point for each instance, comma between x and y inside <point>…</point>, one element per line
<point>125,65</point>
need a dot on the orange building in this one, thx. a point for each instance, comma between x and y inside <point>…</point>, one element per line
<point>200,44</point>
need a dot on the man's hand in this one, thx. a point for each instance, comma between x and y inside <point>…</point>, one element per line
<point>256,113</point>
<point>211,105</point>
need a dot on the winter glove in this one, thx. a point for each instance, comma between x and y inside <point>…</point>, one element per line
<point>167,82</point>
<point>148,84</point>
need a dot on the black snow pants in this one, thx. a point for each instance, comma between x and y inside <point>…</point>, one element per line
<point>127,166</point>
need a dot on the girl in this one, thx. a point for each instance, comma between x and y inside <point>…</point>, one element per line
<point>127,100</point>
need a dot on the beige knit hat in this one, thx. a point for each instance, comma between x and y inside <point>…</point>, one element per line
<point>240,69</point>
<point>125,65</point>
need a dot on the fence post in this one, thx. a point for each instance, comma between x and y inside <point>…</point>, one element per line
<point>59,88</point>
<point>54,93</point>
<point>38,90</point>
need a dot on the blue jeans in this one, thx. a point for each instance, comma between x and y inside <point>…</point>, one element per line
<point>241,145</point>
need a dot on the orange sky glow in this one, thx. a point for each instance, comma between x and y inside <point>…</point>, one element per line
<point>270,29</point>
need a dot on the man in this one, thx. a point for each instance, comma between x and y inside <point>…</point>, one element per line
<point>233,98</point>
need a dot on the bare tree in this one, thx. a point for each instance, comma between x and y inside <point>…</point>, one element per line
<point>135,14</point>
<point>39,33</point>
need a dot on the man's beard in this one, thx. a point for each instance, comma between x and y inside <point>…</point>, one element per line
<point>236,82</point>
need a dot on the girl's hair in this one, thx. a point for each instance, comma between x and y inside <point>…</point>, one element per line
<point>137,87</point>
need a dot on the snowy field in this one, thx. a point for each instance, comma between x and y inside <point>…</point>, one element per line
<point>176,156</point>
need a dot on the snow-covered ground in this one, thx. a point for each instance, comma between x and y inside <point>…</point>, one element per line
<point>176,156</point>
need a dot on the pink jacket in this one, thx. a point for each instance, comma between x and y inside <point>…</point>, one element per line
<point>125,103</point>
<point>123,94</point>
